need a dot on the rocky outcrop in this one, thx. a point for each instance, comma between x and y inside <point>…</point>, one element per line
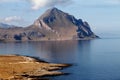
<point>54,24</point>
<point>16,67</point>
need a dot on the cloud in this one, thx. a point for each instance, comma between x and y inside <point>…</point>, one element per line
<point>37,4</point>
<point>12,19</point>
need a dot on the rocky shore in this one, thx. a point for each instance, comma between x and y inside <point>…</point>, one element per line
<point>15,67</point>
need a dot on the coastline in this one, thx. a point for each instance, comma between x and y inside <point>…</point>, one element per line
<point>16,67</point>
<point>78,39</point>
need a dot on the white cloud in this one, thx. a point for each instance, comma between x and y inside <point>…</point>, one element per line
<point>37,4</point>
<point>12,19</point>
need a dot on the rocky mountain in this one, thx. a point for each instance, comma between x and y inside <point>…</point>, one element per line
<point>54,24</point>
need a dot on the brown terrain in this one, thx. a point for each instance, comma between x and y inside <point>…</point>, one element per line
<point>54,24</point>
<point>13,67</point>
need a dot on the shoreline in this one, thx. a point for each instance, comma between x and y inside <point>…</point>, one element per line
<point>16,67</point>
<point>80,39</point>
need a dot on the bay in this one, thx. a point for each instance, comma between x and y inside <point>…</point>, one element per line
<point>97,59</point>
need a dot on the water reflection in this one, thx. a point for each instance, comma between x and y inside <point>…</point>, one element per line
<point>83,61</point>
<point>52,51</point>
<point>59,51</point>
<point>62,51</point>
<point>83,51</point>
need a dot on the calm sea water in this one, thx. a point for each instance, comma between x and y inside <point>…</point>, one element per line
<point>92,60</point>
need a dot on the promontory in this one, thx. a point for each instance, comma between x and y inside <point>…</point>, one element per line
<point>54,24</point>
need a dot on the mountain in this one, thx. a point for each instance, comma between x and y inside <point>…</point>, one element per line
<point>54,24</point>
<point>65,26</point>
<point>3,25</point>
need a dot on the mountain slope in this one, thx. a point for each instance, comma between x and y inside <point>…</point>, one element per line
<point>54,24</point>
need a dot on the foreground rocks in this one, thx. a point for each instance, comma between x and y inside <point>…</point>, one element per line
<point>13,67</point>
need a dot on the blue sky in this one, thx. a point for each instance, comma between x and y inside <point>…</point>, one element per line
<point>102,15</point>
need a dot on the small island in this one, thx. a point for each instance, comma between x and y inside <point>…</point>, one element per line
<point>16,67</point>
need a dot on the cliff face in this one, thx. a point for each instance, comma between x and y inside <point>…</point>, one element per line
<point>54,24</point>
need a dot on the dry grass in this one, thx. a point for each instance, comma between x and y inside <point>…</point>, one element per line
<point>12,66</point>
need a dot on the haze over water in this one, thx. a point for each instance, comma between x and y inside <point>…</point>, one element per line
<point>92,59</point>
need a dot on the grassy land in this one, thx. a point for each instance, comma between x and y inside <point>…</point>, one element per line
<point>22,67</point>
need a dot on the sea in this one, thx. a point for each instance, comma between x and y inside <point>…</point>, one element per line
<point>97,59</point>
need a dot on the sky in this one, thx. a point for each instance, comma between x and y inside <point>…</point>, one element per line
<point>102,15</point>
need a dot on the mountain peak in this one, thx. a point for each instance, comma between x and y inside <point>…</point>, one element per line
<point>52,11</point>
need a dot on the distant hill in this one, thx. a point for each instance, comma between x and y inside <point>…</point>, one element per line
<point>54,24</point>
<point>3,25</point>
